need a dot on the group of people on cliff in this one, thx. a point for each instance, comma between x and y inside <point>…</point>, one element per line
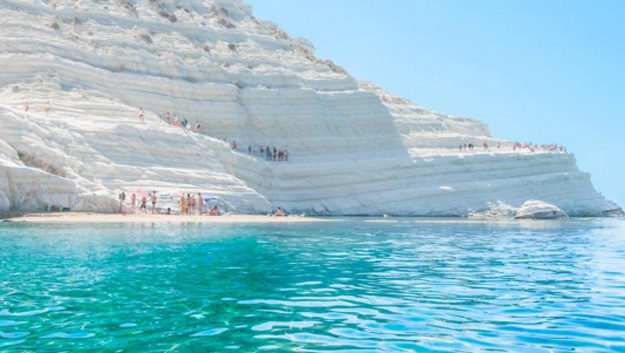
<point>270,154</point>
<point>517,146</point>
<point>535,147</point>
<point>182,122</point>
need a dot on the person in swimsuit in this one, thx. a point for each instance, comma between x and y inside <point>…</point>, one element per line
<point>144,206</point>
<point>154,202</point>
<point>133,203</point>
<point>200,201</point>
<point>122,198</point>
<point>183,205</point>
<point>192,204</point>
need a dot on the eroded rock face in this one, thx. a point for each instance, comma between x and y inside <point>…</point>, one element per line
<point>354,148</point>
<point>535,209</point>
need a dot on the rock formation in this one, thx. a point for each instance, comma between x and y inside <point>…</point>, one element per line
<point>354,149</point>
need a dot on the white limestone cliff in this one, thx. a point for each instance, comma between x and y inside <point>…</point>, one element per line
<point>354,148</point>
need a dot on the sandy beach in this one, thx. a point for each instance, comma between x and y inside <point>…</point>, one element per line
<point>87,217</point>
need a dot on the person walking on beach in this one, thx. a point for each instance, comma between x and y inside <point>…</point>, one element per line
<point>183,205</point>
<point>200,202</point>
<point>154,202</point>
<point>133,204</point>
<point>141,114</point>
<point>122,198</point>
<point>144,204</point>
<point>192,204</point>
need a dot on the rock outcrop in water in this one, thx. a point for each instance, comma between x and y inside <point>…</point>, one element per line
<point>354,149</point>
<point>534,209</point>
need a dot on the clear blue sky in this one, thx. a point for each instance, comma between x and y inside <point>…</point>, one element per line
<point>541,71</point>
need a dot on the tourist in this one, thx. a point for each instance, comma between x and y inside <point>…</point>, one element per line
<point>200,203</point>
<point>183,205</point>
<point>192,204</point>
<point>279,212</point>
<point>168,211</point>
<point>249,149</point>
<point>122,198</point>
<point>141,114</point>
<point>188,203</point>
<point>26,107</point>
<point>48,108</point>
<point>133,203</point>
<point>197,127</point>
<point>214,211</point>
<point>144,204</point>
<point>154,202</point>
<point>274,153</point>
<point>286,155</point>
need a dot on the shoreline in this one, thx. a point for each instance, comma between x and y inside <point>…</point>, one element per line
<point>111,218</point>
<point>92,217</point>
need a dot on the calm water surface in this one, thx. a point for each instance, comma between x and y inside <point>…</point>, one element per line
<point>357,286</point>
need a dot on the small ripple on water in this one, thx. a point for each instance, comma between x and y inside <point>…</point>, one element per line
<point>268,326</point>
<point>210,332</point>
<point>5,323</point>
<point>65,335</point>
<point>11,343</point>
<point>12,335</point>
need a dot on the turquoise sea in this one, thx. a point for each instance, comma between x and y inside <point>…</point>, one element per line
<point>411,285</point>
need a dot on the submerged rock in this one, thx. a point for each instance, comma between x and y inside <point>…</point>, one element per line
<point>536,209</point>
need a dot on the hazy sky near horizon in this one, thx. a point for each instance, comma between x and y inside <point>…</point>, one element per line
<point>541,71</point>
